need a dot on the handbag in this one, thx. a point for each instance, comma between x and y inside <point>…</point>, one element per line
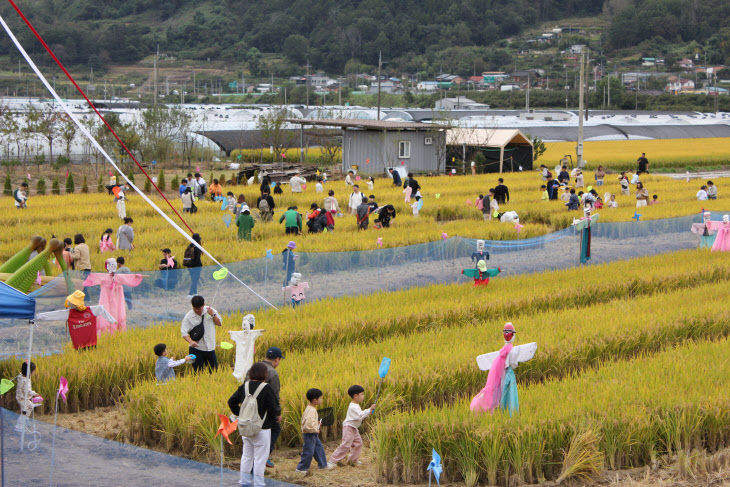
<point>198,331</point>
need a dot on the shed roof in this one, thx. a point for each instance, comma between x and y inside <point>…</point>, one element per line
<point>365,124</point>
<point>486,137</point>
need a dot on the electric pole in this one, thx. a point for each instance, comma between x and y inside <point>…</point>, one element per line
<point>307,83</point>
<point>380,65</point>
<point>579,147</point>
<point>157,56</point>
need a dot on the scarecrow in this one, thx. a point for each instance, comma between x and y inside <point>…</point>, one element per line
<point>722,238</point>
<point>480,254</point>
<point>296,288</point>
<point>81,320</point>
<point>112,295</point>
<point>481,274</point>
<point>705,230</point>
<point>501,387</point>
<point>245,346</point>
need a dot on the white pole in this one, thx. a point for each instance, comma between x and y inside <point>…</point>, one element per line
<point>27,371</point>
<point>53,445</point>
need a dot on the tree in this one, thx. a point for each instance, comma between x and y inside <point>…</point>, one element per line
<point>55,186</point>
<point>100,185</point>
<point>49,125</point>
<point>85,186</point>
<point>68,132</point>
<point>70,185</point>
<point>159,126</point>
<point>175,183</point>
<point>296,48</point>
<point>130,176</point>
<point>41,187</point>
<point>538,147</point>
<point>271,125</point>
<point>161,180</point>
<point>8,190</point>
<point>147,185</point>
<point>253,58</point>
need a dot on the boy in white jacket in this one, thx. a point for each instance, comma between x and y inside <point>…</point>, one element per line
<point>351,440</point>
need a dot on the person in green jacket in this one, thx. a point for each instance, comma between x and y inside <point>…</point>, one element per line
<point>293,219</point>
<point>244,222</point>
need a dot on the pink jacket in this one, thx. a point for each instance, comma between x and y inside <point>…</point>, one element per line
<point>106,244</point>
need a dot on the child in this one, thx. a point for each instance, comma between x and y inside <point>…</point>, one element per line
<point>414,206</point>
<point>231,202</point>
<point>318,187</point>
<point>106,244</point>
<point>573,201</point>
<point>544,172</point>
<point>624,184</point>
<point>20,198</point>
<point>702,193</point>
<point>565,197</point>
<point>164,367</point>
<point>493,206</point>
<point>123,269</point>
<point>545,195</point>
<point>579,179</point>
<point>25,396</point>
<point>330,220</point>
<point>371,183</point>
<point>351,440</point>
<point>348,178</point>
<point>612,203</point>
<point>711,190</point>
<point>599,203</point>
<point>312,447</point>
<point>372,204</point>
<point>362,215</point>
<point>654,200</point>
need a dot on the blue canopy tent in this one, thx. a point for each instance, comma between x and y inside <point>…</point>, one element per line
<point>16,305</point>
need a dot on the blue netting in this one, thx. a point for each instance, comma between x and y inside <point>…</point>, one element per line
<point>86,460</point>
<point>163,294</point>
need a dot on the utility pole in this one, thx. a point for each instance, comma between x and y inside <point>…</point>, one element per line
<point>527,98</point>
<point>579,147</point>
<point>157,56</point>
<point>307,82</point>
<point>609,90</point>
<point>380,65</point>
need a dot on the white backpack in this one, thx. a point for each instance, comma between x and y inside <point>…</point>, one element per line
<point>249,421</point>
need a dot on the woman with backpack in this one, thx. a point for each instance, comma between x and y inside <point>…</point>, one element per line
<point>256,406</point>
<point>191,260</point>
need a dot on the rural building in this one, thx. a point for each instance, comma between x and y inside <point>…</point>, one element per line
<point>503,149</point>
<point>459,103</point>
<point>686,63</point>
<point>373,146</point>
<point>678,85</point>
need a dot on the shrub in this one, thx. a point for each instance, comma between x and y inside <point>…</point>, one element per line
<point>234,177</point>
<point>147,185</point>
<point>8,190</point>
<point>85,186</point>
<point>70,185</point>
<point>100,185</point>
<point>175,183</point>
<point>55,186</point>
<point>222,180</point>
<point>40,189</point>
<point>161,180</point>
<point>130,176</point>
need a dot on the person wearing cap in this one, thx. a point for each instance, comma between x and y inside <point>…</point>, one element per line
<point>80,319</point>
<point>245,223</point>
<point>296,183</point>
<point>168,271</point>
<point>204,348</point>
<point>289,265</point>
<point>274,356</point>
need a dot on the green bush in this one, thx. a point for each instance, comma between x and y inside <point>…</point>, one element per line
<point>55,186</point>
<point>161,180</point>
<point>147,185</point>
<point>130,176</point>
<point>234,178</point>
<point>175,183</point>
<point>100,185</point>
<point>85,186</point>
<point>222,180</point>
<point>40,189</point>
<point>8,190</point>
<point>70,185</point>
<point>61,161</point>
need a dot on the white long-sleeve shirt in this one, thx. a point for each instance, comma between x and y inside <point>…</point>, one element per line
<point>296,184</point>
<point>62,314</point>
<point>355,415</point>
<point>355,200</point>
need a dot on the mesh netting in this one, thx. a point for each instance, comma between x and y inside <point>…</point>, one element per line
<point>86,460</point>
<point>163,294</point>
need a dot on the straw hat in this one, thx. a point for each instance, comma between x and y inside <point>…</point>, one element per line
<point>76,299</point>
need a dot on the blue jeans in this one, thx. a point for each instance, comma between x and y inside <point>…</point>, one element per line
<point>599,182</point>
<point>194,278</point>
<point>85,273</point>
<point>275,432</point>
<point>312,448</point>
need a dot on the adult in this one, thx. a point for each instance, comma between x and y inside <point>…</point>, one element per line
<point>183,186</point>
<point>288,263</point>
<point>643,164</point>
<point>244,222</point>
<point>215,190</point>
<point>82,260</point>
<point>20,196</point>
<point>168,271</point>
<point>642,195</point>
<point>564,176</point>
<point>396,177</point>
<point>330,202</point>
<point>273,358</point>
<point>120,198</point>
<point>240,203</point>
<point>317,219</point>
<point>200,187</point>
<point>125,235</point>
<point>385,215</point>
<point>204,347</point>
<point>348,178</point>
<point>265,184</point>
<point>624,183</point>
<point>415,187</point>
<point>711,190</point>
<point>295,183</point>
<point>501,192</point>
<point>265,204</point>
<point>355,200</point>
<point>192,261</point>
<point>256,449</point>
<point>187,201</point>
<point>599,174</point>
<point>702,193</point>
<point>67,253</point>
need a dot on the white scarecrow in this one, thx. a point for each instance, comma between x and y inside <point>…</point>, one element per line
<point>245,346</point>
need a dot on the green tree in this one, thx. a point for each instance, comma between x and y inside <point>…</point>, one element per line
<point>296,48</point>
<point>8,190</point>
<point>538,147</point>
<point>85,186</point>
<point>100,185</point>
<point>233,179</point>
<point>55,186</point>
<point>147,185</point>
<point>70,185</point>
<point>253,59</point>
<point>175,183</point>
<point>130,176</point>
<point>41,186</point>
<point>161,180</point>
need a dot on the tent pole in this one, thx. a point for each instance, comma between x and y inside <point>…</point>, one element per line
<point>501,159</point>
<point>27,371</point>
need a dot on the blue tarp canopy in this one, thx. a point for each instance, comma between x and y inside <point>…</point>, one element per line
<point>15,304</point>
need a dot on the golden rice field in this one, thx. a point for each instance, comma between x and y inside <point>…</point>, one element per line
<point>91,214</point>
<point>601,330</point>
<point>622,154</point>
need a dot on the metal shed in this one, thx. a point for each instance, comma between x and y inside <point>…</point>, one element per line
<point>511,140</point>
<point>374,146</point>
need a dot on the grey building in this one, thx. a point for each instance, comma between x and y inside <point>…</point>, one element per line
<point>372,146</point>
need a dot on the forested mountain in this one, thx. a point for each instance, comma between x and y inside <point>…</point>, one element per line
<point>329,33</point>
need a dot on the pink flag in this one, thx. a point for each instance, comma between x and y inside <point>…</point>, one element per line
<point>38,280</point>
<point>444,236</point>
<point>197,169</point>
<point>380,241</point>
<point>518,227</point>
<point>63,388</point>
<point>29,176</point>
<point>66,173</point>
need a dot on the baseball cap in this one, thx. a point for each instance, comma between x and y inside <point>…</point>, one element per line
<point>274,352</point>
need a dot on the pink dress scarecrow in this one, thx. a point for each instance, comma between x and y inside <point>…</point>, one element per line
<point>722,238</point>
<point>112,296</point>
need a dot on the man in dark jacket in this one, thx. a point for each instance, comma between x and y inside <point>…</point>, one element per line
<point>396,177</point>
<point>415,187</point>
<point>385,214</point>
<point>501,192</point>
<point>564,176</point>
<point>267,209</point>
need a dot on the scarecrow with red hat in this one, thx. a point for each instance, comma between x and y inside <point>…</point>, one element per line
<point>501,387</point>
